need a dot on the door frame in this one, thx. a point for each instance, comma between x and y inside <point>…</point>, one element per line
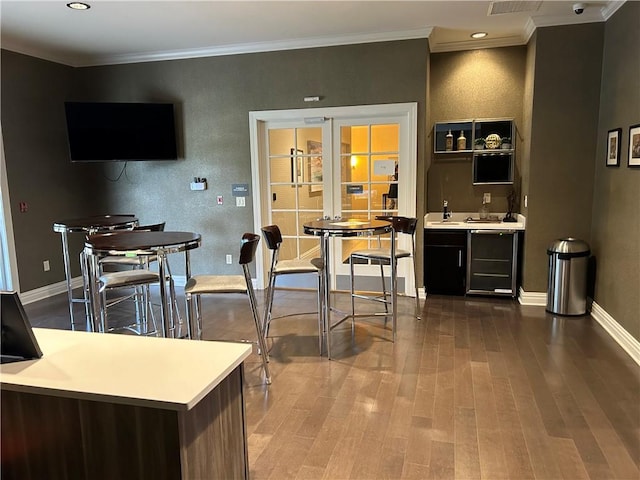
<point>9,265</point>
<point>257,136</point>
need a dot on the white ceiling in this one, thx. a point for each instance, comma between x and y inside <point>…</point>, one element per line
<point>112,32</point>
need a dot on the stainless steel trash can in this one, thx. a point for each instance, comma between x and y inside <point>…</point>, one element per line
<point>568,262</point>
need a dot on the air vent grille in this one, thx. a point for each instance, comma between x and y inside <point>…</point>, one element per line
<point>499,8</point>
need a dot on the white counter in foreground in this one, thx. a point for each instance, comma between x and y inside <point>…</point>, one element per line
<point>107,406</point>
<point>158,372</point>
<point>458,221</point>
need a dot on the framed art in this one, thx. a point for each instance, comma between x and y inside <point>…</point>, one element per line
<point>613,147</point>
<point>634,146</point>
<point>297,172</point>
<point>315,167</point>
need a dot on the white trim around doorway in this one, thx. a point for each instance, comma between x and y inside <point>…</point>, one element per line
<point>257,130</point>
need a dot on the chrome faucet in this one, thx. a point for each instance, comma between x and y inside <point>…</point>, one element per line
<point>446,214</point>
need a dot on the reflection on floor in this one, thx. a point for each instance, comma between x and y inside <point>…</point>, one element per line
<point>480,388</point>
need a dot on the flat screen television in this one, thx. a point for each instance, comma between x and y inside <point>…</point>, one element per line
<point>492,169</point>
<point>99,132</point>
<point>17,339</point>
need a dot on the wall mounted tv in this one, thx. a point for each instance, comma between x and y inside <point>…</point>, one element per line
<point>121,131</point>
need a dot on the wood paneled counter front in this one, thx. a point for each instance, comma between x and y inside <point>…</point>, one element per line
<point>117,406</point>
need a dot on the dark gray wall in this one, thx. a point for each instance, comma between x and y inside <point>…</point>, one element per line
<point>213,96</point>
<point>615,232</point>
<point>38,167</point>
<point>467,85</point>
<point>564,120</point>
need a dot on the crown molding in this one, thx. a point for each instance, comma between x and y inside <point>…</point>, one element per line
<point>236,49</point>
<point>562,21</point>
<point>83,60</point>
<point>472,44</point>
<point>610,8</point>
<point>69,60</point>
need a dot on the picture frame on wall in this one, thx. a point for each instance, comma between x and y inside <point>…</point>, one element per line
<point>315,167</point>
<point>296,166</point>
<point>613,147</point>
<point>634,146</point>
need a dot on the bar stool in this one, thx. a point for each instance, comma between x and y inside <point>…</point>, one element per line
<point>141,262</point>
<point>273,239</point>
<point>199,285</point>
<point>139,279</point>
<point>135,262</point>
<point>382,256</point>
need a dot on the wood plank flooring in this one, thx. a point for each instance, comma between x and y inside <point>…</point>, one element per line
<point>480,388</point>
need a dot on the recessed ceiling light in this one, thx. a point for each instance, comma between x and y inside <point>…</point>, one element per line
<point>79,6</point>
<point>479,35</point>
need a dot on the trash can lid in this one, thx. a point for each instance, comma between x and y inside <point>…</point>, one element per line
<point>569,245</point>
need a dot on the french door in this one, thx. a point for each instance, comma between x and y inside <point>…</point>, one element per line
<point>349,162</point>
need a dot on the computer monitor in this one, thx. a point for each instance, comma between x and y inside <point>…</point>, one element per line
<point>18,341</point>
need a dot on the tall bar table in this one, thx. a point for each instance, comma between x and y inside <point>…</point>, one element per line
<point>342,228</point>
<point>139,243</point>
<point>88,226</point>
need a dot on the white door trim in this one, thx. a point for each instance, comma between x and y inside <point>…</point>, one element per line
<point>9,265</point>
<point>257,136</point>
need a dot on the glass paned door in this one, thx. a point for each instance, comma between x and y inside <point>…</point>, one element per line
<point>329,162</point>
<point>368,184</point>
<point>296,187</point>
<point>372,155</point>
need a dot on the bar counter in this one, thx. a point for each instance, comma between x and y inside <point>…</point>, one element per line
<point>119,406</point>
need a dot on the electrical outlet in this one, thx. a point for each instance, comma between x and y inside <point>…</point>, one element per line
<point>229,259</point>
<point>526,201</point>
<point>220,200</point>
<point>46,265</point>
<point>240,202</point>
<point>486,198</point>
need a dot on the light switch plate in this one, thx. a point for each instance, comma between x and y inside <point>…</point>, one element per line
<point>240,202</point>
<point>486,198</point>
<point>198,185</point>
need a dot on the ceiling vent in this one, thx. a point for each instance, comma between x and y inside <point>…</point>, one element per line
<point>498,8</point>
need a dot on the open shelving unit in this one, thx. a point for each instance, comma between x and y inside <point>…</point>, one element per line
<point>493,161</point>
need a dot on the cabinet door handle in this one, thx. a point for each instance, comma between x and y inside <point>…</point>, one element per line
<point>460,258</point>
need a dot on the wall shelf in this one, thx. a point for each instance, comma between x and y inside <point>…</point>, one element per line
<point>494,165</point>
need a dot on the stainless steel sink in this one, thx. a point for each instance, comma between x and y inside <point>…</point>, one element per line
<point>482,220</point>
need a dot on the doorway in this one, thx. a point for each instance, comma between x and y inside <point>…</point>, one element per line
<point>349,162</point>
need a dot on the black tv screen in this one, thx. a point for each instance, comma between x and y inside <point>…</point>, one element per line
<point>120,131</point>
<point>492,168</point>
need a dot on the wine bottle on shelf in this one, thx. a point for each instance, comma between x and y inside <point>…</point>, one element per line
<point>448,145</point>
<point>462,141</point>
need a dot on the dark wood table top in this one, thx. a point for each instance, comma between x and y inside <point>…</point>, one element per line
<point>347,227</point>
<point>142,241</point>
<point>96,223</point>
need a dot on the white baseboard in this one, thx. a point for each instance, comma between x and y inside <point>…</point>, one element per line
<point>537,299</point>
<point>61,287</point>
<point>48,291</point>
<point>619,334</point>
<point>628,343</point>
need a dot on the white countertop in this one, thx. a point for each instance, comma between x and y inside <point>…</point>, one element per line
<point>174,374</point>
<point>458,222</point>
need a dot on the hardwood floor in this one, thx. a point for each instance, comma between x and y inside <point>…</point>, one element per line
<point>478,389</point>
